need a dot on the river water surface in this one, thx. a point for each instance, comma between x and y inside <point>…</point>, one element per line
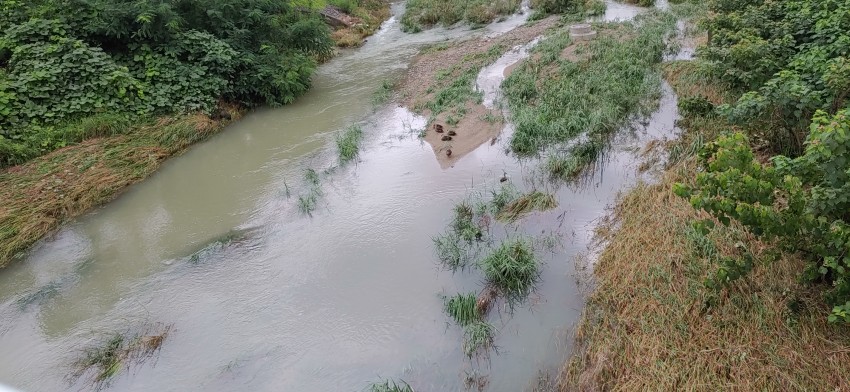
<point>328,302</point>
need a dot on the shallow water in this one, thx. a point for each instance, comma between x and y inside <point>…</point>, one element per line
<point>262,297</point>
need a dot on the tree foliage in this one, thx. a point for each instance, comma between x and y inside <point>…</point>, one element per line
<point>789,56</point>
<point>803,203</point>
<point>62,61</point>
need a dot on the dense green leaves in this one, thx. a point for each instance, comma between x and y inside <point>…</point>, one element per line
<point>803,203</point>
<point>62,61</point>
<point>792,57</point>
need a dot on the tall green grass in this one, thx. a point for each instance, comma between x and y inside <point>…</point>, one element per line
<point>421,14</point>
<point>554,99</point>
<point>462,308</point>
<point>512,268</point>
<point>348,143</point>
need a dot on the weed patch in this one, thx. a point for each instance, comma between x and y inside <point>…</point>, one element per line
<point>462,308</point>
<point>512,268</point>
<point>525,204</point>
<point>390,386</point>
<point>348,144</point>
<point>105,360</point>
<point>478,338</point>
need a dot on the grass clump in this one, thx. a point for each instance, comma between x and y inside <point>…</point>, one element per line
<point>383,93</point>
<point>534,201</point>
<point>421,14</point>
<point>512,268</point>
<point>105,360</point>
<point>571,164</point>
<point>348,143</point>
<point>390,386</point>
<point>462,308</point>
<point>478,338</point>
<point>307,202</point>
<point>459,245</point>
<point>590,88</point>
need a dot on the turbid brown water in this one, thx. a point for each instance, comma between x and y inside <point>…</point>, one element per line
<point>296,303</point>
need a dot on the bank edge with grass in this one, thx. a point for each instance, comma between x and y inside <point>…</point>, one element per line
<point>98,155</point>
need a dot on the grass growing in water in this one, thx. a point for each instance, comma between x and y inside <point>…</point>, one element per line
<point>560,94</point>
<point>106,359</point>
<point>421,14</point>
<point>390,386</point>
<point>512,268</point>
<point>348,143</point>
<point>571,164</point>
<point>478,338</point>
<point>462,308</point>
<point>383,93</point>
<point>459,245</point>
<point>534,201</point>
<point>307,202</point>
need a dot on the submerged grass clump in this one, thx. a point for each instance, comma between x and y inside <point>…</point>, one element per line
<point>591,88</point>
<point>383,93</point>
<point>348,143</point>
<point>569,165</point>
<point>512,268</point>
<point>308,201</point>
<point>534,201</point>
<point>106,359</point>
<point>478,338</point>
<point>390,386</point>
<point>462,308</point>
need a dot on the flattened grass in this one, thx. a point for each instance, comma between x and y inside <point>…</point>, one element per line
<point>45,192</point>
<point>106,359</point>
<point>478,338</point>
<point>525,204</point>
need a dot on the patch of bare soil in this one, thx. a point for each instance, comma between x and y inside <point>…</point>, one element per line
<point>479,124</point>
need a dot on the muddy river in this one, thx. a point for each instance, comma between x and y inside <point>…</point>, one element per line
<point>264,298</point>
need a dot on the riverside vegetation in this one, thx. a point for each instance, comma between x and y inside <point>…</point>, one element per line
<point>731,272</point>
<point>95,95</point>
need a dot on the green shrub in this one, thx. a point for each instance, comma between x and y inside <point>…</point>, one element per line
<point>802,203</point>
<point>789,56</point>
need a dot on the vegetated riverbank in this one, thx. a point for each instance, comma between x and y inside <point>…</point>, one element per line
<point>44,192</point>
<point>652,323</point>
<point>714,298</point>
<point>106,152</point>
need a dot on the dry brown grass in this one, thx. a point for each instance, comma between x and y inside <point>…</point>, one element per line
<point>42,194</point>
<point>652,324</point>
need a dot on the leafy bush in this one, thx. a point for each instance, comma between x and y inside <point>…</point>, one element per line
<point>791,57</point>
<point>802,203</point>
<point>63,61</point>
